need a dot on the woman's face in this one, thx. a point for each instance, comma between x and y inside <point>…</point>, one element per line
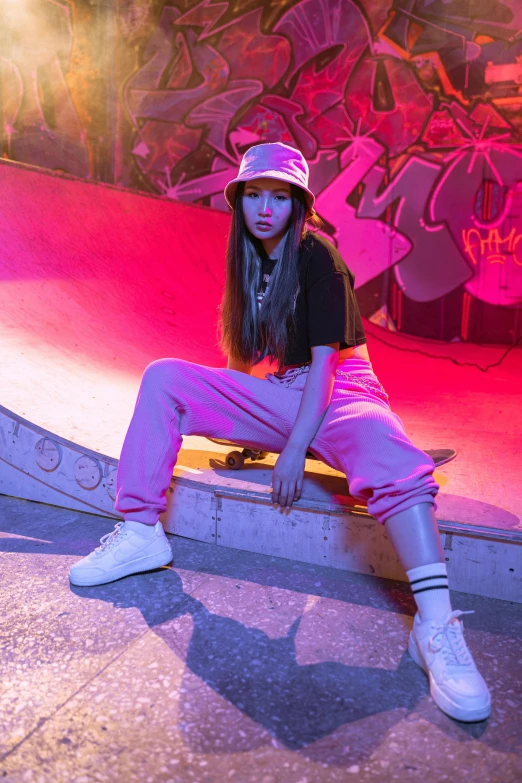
<point>267,207</point>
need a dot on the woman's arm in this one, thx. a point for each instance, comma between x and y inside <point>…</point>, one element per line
<point>316,396</point>
<point>287,477</point>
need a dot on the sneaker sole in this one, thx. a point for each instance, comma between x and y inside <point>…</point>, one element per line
<point>157,560</point>
<point>441,699</point>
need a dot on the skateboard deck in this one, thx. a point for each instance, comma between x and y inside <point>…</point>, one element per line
<point>235,459</point>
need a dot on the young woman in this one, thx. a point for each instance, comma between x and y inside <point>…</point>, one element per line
<point>289,296</point>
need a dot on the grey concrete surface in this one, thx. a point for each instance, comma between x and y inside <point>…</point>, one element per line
<point>230,666</point>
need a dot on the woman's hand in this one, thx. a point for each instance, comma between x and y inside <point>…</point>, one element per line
<point>287,476</point>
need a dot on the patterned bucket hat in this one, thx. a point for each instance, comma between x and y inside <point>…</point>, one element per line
<point>277,161</point>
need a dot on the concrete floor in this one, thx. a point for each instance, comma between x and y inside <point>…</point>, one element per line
<point>230,666</point>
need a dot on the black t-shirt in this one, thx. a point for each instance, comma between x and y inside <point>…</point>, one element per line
<point>326,307</point>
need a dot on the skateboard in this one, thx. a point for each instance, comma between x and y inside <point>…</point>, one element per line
<point>236,459</point>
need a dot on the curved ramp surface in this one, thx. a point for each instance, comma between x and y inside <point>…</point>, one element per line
<point>97,282</point>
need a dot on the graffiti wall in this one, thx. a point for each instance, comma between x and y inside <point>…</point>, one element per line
<point>409,113</point>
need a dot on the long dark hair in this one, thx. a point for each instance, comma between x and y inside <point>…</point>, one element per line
<point>246,332</point>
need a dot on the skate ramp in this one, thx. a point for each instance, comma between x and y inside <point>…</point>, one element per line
<point>97,282</point>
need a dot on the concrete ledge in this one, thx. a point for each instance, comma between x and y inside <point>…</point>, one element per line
<point>481,561</point>
<point>207,502</point>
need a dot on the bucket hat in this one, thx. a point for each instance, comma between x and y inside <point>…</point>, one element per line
<point>277,161</point>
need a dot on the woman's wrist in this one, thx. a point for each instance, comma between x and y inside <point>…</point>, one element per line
<point>297,447</point>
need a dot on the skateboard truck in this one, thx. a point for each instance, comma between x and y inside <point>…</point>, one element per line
<point>236,459</point>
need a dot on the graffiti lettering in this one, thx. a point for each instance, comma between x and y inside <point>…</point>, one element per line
<point>436,266</point>
<point>453,201</point>
<point>332,94</point>
<point>369,246</point>
<point>491,246</point>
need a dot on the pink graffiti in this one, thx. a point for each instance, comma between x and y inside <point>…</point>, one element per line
<point>388,204</point>
<point>316,26</point>
<point>249,51</point>
<point>480,161</point>
<point>387,97</point>
<point>368,246</point>
<point>493,247</point>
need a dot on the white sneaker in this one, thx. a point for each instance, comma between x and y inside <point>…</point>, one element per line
<point>122,552</point>
<point>456,685</point>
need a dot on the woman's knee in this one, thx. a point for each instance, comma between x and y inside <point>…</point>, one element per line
<point>163,373</point>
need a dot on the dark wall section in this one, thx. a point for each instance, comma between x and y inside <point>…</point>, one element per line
<point>408,111</point>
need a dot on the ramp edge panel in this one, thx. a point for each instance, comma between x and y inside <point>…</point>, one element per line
<point>146,194</point>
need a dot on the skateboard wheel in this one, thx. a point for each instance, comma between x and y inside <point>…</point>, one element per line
<point>235,460</point>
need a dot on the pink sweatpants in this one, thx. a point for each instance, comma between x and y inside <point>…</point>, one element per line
<point>359,435</point>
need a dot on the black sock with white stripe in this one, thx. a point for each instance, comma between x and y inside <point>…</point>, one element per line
<point>429,585</point>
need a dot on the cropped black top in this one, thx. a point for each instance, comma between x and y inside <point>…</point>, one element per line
<point>326,307</point>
